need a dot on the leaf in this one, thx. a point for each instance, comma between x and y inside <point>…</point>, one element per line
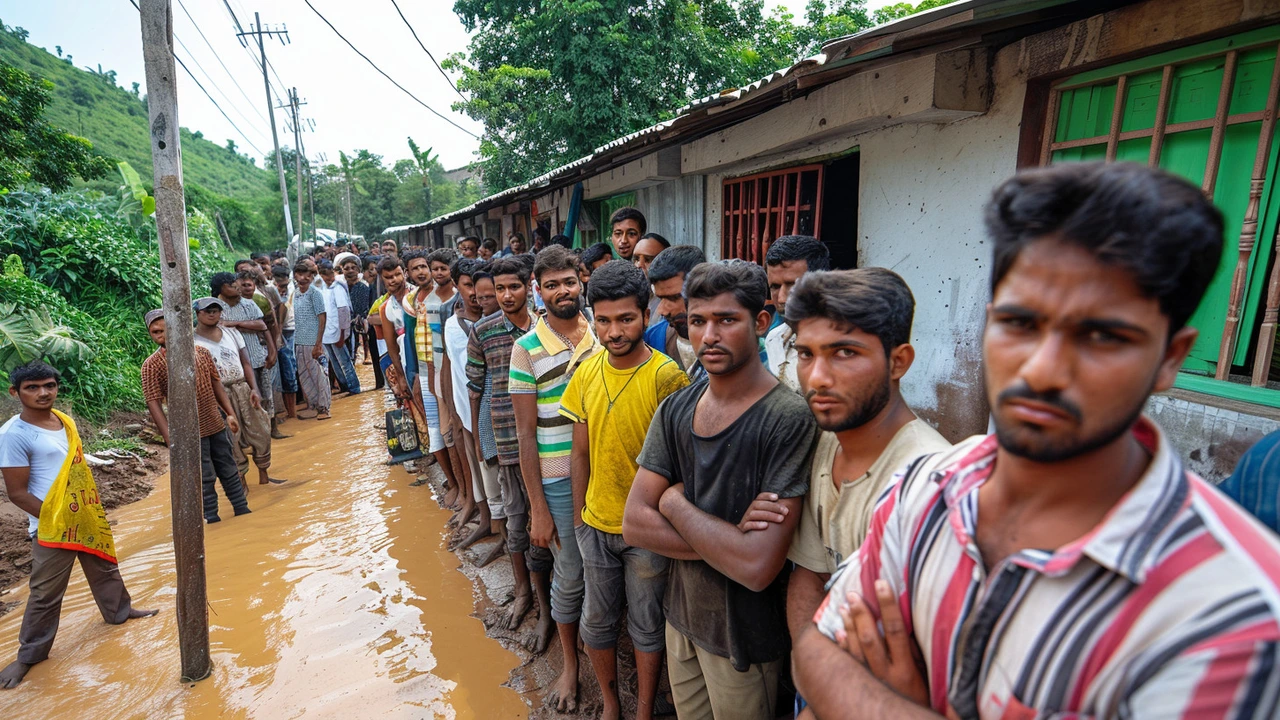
<point>19,341</point>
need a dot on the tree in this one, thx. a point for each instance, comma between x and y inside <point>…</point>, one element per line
<point>32,150</point>
<point>231,146</point>
<point>553,79</point>
<point>903,9</point>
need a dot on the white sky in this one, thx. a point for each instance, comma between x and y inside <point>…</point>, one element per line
<point>352,105</point>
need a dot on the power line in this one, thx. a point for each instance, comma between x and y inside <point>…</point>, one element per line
<point>428,52</point>
<point>380,71</point>
<point>256,62</point>
<point>206,92</point>
<point>209,77</point>
<point>219,59</point>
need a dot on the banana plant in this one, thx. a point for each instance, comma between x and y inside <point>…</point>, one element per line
<point>28,334</point>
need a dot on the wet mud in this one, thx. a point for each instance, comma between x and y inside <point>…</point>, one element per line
<point>334,598</point>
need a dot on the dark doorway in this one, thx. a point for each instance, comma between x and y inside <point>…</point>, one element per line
<point>840,211</point>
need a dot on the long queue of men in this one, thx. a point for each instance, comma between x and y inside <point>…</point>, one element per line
<point>721,453</point>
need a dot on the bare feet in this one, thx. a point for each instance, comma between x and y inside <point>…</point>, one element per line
<point>277,435</point>
<point>451,498</point>
<point>13,674</point>
<point>494,553</point>
<point>519,608</point>
<point>564,693</point>
<point>273,481</point>
<point>481,532</point>
<point>537,639</point>
<point>135,613</point>
<point>465,515</point>
<point>323,416</point>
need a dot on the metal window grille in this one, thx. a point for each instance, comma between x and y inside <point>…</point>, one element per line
<point>1055,145</point>
<point>758,209</point>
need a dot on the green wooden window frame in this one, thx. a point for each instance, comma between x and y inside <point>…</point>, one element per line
<point>1182,111</point>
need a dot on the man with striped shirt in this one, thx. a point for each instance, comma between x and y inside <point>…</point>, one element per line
<point>542,362</point>
<point>1068,565</point>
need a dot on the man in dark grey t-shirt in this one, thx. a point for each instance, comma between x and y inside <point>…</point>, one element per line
<point>711,449</point>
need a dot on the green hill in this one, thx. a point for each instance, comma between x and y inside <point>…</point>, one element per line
<point>91,105</point>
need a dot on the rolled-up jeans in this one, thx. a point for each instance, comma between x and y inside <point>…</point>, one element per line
<point>340,361</point>
<point>287,364</point>
<point>567,587</point>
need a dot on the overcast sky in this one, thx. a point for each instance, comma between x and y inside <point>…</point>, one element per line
<point>352,105</point>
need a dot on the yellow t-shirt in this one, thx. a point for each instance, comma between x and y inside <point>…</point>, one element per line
<point>617,406</point>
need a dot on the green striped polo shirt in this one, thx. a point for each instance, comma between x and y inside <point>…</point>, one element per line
<point>542,362</point>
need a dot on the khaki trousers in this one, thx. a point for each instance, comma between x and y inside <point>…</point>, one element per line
<point>255,428</point>
<point>50,571</point>
<point>706,687</point>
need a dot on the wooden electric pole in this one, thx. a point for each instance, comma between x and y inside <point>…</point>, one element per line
<point>295,121</point>
<point>283,35</point>
<point>175,275</point>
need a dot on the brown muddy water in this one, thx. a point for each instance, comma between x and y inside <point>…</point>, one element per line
<point>334,598</point>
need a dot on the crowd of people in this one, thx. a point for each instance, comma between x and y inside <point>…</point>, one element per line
<point>721,454</point>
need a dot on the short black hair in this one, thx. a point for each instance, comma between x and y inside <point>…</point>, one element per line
<point>442,255</point>
<point>466,266</point>
<point>874,300</point>
<point>324,264</point>
<point>248,275</point>
<point>746,280</point>
<point>482,274</point>
<point>469,238</point>
<point>391,262</point>
<point>219,279</point>
<point>240,262</point>
<point>257,255</point>
<point>629,213</point>
<point>563,241</point>
<point>367,260</point>
<point>527,259</point>
<point>33,371</point>
<point>302,267</point>
<point>554,258</point>
<point>540,230</point>
<point>655,236</point>
<point>675,260</point>
<point>510,265</point>
<point>799,247</point>
<point>489,243</point>
<point>279,271</point>
<point>596,253</point>
<point>1156,226</point>
<point>408,256</point>
<point>618,279</point>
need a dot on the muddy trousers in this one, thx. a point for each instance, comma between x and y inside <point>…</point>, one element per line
<point>50,571</point>
<point>218,462</point>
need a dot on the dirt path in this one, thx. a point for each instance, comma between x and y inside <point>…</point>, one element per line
<point>335,598</point>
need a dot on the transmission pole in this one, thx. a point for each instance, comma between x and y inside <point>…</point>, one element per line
<point>283,35</point>
<point>175,281</point>
<point>296,121</point>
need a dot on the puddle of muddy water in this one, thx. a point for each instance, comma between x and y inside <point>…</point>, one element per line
<point>334,598</point>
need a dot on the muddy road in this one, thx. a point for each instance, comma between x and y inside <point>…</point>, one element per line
<point>334,598</point>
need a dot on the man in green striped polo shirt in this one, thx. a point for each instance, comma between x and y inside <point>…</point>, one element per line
<point>542,362</point>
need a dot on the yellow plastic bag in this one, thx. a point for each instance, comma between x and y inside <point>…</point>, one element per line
<point>72,516</point>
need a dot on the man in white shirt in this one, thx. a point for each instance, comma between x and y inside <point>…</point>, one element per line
<point>338,305</point>
<point>789,257</point>
<point>33,447</point>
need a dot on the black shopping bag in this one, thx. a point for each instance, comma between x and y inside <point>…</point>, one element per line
<point>402,437</point>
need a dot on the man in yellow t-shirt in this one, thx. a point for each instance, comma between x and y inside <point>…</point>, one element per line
<point>611,399</point>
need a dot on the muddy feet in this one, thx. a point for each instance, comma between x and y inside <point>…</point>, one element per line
<point>564,693</point>
<point>537,639</point>
<point>494,553</point>
<point>464,516</point>
<point>135,613</point>
<point>481,532</point>
<point>450,500</point>
<point>519,608</point>
<point>13,674</point>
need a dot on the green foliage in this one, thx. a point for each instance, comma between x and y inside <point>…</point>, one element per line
<point>115,119</point>
<point>80,279</point>
<point>903,9</point>
<point>553,79</point>
<point>32,150</point>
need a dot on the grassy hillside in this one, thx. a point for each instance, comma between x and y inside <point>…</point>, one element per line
<point>91,105</point>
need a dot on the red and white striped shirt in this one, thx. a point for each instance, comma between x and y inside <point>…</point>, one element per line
<point>1167,609</point>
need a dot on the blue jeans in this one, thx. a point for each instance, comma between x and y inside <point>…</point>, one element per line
<point>287,364</point>
<point>567,587</point>
<point>340,361</point>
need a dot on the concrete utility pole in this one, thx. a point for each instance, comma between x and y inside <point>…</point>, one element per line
<point>283,36</point>
<point>175,274</point>
<point>293,107</point>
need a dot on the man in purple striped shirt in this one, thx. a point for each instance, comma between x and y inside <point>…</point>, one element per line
<point>1068,565</point>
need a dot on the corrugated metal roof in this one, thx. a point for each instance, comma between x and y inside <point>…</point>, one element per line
<point>716,111</point>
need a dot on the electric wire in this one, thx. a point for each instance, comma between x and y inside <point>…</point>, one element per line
<point>218,57</point>
<point>425,50</point>
<point>256,62</point>
<point>206,93</point>
<point>209,77</point>
<point>432,110</point>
